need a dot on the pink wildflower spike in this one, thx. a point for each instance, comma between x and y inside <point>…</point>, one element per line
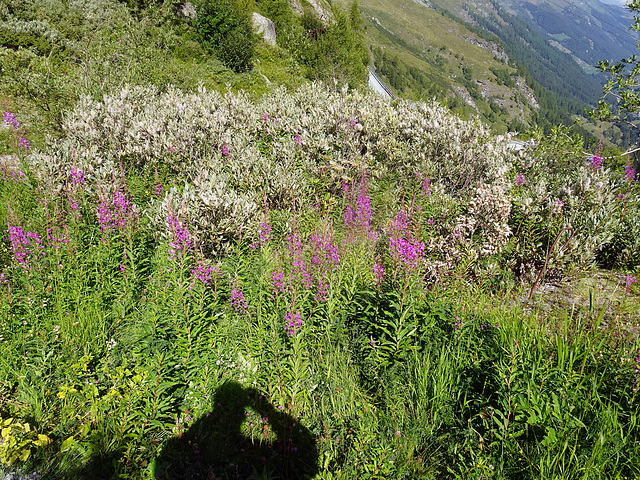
<point>293,323</point>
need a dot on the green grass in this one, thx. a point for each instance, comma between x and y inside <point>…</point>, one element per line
<point>134,368</point>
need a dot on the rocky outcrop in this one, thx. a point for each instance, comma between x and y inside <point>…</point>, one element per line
<point>492,47</point>
<point>265,27</point>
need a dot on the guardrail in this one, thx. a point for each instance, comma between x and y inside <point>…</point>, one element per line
<point>384,86</point>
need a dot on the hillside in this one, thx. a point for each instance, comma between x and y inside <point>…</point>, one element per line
<point>513,57</point>
<point>424,54</point>
<point>227,259</point>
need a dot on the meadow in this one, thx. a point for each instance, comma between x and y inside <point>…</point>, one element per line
<point>312,284</point>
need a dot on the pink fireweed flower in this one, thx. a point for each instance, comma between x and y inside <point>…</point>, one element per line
<point>293,323</point>
<point>238,301</point>
<point>17,175</point>
<point>225,151</point>
<point>277,282</point>
<point>299,271</point>
<point>322,293</point>
<point>24,143</point>
<point>408,253</point>
<point>349,216</point>
<point>596,163</point>
<point>265,233</point>
<point>10,120</point>
<point>325,253</point>
<point>400,225</point>
<point>181,240</point>
<point>363,210</point>
<point>203,272</point>
<point>629,173</point>
<point>115,214</point>
<point>25,246</point>
<point>158,190</point>
<point>298,141</point>
<point>77,176</point>
<point>520,180</point>
<point>629,280</point>
<point>426,187</point>
<point>56,239</point>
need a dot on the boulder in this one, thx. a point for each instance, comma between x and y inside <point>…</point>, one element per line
<point>265,27</point>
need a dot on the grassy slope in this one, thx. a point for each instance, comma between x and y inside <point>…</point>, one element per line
<point>416,33</point>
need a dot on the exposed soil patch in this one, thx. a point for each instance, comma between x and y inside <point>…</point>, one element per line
<point>605,297</point>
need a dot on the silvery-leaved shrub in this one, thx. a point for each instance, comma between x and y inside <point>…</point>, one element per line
<point>232,156</point>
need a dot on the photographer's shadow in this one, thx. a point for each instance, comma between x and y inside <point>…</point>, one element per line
<point>214,447</point>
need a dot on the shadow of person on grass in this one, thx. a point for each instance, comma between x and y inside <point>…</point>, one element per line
<point>215,447</point>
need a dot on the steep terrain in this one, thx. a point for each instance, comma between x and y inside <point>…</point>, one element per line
<point>514,63</point>
<point>423,53</point>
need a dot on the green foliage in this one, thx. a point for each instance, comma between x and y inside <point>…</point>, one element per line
<point>278,11</point>
<point>226,30</point>
<point>341,331</point>
<point>18,439</point>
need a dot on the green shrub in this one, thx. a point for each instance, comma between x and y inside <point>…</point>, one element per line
<point>224,29</point>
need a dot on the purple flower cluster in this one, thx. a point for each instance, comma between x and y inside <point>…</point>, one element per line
<point>458,324</point>
<point>115,214</point>
<point>204,272</point>
<point>56,239</point>
<point>408,252</point>
<point>299,271</point>
<point>24,245</point>
<point>358,215</point>
<point>225,151</point>
<point>325,258</point>
<point>293,323</point>
<point>77,176</point>
<point>265,233</point>
<point>629,280</point>
<point>277,282</point>
<point>181,240</point>
<point>14,175</point>
<point>629,173</point>
<point>322,293</point>
<point>488,325</point>
<point>238,301</point>
<point>298,141</point>
<point>24,143</point>
<point>158,190</point>
<point>596,163</point>
<point>426,187</point>
<point>10,120</point>
<point>520,180</point>
<point>325,253</point>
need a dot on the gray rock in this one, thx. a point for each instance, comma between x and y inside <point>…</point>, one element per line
<point>265,27</point>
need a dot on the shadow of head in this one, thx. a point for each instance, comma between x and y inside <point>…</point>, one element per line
<point>242,437</point>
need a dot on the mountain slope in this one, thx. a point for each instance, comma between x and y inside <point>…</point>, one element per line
<point>424,53</point>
